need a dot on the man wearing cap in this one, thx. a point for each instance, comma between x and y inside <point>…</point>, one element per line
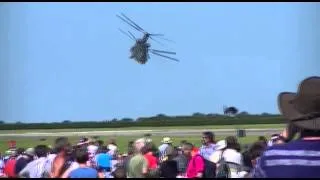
<point>299,158</point>
<point>166,142</point>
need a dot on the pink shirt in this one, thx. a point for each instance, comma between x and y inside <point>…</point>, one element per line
<point>196,165</point>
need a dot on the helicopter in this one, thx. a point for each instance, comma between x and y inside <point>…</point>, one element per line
<point>140,50</point>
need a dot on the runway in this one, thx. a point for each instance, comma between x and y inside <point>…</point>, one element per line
<point>171,132</point>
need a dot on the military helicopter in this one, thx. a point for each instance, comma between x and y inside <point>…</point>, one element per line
<point>140,50</point>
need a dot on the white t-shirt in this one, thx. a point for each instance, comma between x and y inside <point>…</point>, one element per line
<point>230,155</point>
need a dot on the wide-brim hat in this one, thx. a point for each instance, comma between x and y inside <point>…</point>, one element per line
<point>302,108</point>
<point>166,140</point>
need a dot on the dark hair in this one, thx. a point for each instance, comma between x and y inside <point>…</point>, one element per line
<point>263,139</point>
<point>232,143</point>
<point>188,146</point>
<point>41,150</point>
<point>210,135</point>
<point>100,142</point>
<point>103,149</point>
<point>61,143</point>
<point>20,151</point>
<point>119,173</point>
<point>82,155</point>
<point>256,150</point>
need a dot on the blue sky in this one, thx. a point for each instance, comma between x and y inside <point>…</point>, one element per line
<point>64,61</point>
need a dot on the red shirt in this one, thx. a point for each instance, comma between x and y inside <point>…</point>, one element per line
<point>9,168</point>
<point>152,160</point>
<point>195,166</point>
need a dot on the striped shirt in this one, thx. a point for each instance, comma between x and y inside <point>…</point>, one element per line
<point>35,169</point>
<point>297,159</point>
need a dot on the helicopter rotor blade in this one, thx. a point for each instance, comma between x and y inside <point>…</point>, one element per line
<point>126,34</point>
<point>160,51</point>
<point>162,38</point>
<point>141,29</point>
<point>174,59</point>
<point>132,35</point>
<point>156,34</point>
<point>156,41</point>
<point>129,23</point>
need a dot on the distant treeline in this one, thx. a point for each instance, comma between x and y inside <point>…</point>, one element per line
<point>196,119</point>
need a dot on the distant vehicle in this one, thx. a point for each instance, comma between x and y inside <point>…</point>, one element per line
<point>140,50</point>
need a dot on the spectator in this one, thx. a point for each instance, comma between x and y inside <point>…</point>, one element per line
<point>147,153</point>
<point>1,167</point>
<point>35,169</point>
<point>229,151</point>
<point>208,145</point>
<point>83,171</point>
<point>169,168</point>
<point>62,161</point>
<point>182,160</point>
<point>26,158</point>
<point>138,165</point>
<point>276,139</point>
<point>254,153</point>
<point>9,167</point>
<point>166,142</point>
<point>113,151</point>
<point>297,158</point>
<point>103,160</point>
<point>263,139</point>
<point>119,173</point>
<point>195,168</point>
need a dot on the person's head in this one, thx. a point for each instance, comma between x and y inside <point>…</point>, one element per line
<point>82,155</point>
<point>103,149</point>
<point>100,143</point>
<point>112,141</point>
<point>30,152</point>
<point>139,143</point>
<point>232,143</point>
<point>263,139</point>
<point>41,151</point>
<point>187,149</point>
<point>302,109</point>
<point>255,151</point>
<point>208,137</point>
<point>20,151</point>
<point>166,140</point>
<point>119,173</point>
<point>62,145</point>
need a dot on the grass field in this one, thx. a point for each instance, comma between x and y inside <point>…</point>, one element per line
<point>248,126</point>
<point>122,141</point>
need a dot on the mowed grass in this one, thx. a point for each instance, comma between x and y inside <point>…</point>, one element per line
<point>122,141</point>
<point>245,126</point>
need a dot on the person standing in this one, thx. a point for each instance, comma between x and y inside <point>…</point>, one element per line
<point>208,145</point>
<point>298,158</point>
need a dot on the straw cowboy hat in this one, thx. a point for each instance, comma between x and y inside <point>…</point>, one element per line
<point>166,140</point>
<point>302,108</point>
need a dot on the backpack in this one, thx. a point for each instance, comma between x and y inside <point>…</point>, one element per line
<point>209,168</point>
<point>223,170</point>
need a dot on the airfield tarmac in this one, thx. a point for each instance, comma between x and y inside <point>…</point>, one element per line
<point>170,132</point>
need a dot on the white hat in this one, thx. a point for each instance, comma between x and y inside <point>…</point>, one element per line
<point>221,145</point>
<point>166,140</point>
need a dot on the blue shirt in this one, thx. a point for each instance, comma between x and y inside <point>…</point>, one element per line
<point>84,172</point>
<point>104,160</point>
<point>207,151</point>
<point>297,159</point>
